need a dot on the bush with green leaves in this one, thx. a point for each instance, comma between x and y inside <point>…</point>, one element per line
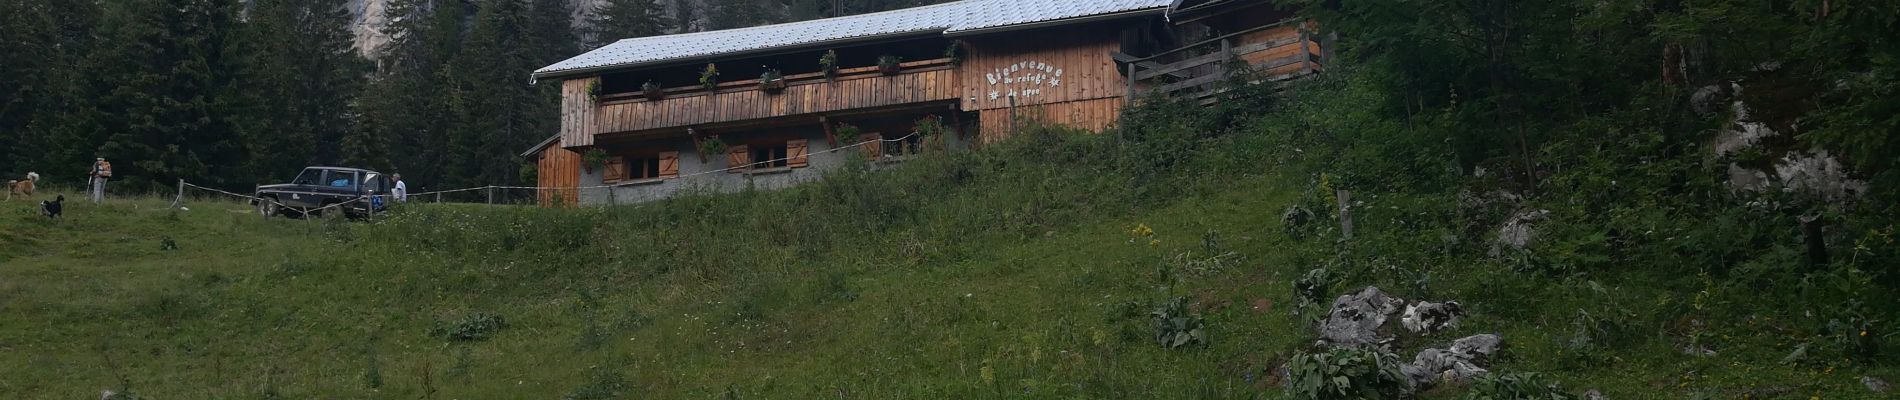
<point>1176,326</point>
<point>1516,386</point>
<point>473,327</point>
<point>1312,288</point>
<point>594,159</point>
<point>1346,373</point>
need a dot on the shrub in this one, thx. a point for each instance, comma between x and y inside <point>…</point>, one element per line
<point>712,146</point>
<point>1346,373</point>
<point>709,78</point>
<point>829,63</point>
<point>603,384</point>
<point>473,327</point>
<point>1515,386</point>
<point>1175,326</point>
<point>1312,288</point>
<point>594,159</point>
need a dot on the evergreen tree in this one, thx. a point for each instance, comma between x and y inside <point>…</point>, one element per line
<point>497,112</point>
<point>405,104</point>
<point>551,26</point>
<point>300,80</point>
<point>155,75</point>
<point>39,85</point>
<point>621,19</point>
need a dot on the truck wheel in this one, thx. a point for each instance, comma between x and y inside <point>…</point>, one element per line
<point>268,207</point>
<point>332,213</point>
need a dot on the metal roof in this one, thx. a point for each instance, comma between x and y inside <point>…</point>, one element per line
<point>961,17</point>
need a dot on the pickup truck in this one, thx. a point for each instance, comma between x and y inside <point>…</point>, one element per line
<point>319,187</point>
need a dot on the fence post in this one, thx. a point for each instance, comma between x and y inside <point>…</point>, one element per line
<point>1012,115</point>
<point>180,200</point>
<point>1345,212</point>
<point>491,195</point>
<point>1306,64</point>
<point>1226,56</point>
<point>1130,100</point>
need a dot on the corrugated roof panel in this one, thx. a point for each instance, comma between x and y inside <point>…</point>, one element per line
<point>999,13</point>
<point>967,15</point>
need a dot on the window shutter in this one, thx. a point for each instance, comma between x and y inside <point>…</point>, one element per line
<point>669,165</point>
<point>872,144</point>
<point>616,170</point>
<point>737,157</point>
<point>795,153</point>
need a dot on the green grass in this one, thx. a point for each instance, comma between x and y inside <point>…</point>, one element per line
<point>1005,273</point>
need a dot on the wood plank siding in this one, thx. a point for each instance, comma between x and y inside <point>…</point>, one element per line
<point>577,112</point>
<point>741,101</point>
<point>1063,76</point>
<point>558,168</point>
<point>1094,115</point>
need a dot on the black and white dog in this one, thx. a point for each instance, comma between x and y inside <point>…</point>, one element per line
<point>52,209</point>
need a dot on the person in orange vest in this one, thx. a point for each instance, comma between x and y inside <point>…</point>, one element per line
<point>101,171</point>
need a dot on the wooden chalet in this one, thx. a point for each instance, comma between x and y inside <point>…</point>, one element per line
<point>640,116</point>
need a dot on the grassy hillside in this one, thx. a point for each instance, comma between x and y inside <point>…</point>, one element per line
<point>1018,271</point>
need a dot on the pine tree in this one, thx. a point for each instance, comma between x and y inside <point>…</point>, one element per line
<point>300,80</point>
<point>406,103</point>
<point>621,19</point>
<point>39,85</point>
<point>497,112</point>
<point>551,26</point>
<point>158,69</point>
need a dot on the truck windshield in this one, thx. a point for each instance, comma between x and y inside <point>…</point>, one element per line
<point>373,182</point>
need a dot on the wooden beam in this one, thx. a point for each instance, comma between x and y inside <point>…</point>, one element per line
<point>829,134</point>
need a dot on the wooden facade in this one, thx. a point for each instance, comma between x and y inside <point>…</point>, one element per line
<point>559,168</point>
<point>1074,74</point>
<point>1061,76</point>
<point>804,94</point>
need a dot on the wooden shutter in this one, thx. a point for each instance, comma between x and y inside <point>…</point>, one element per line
<point>737,157</point>
<point>872,144</point>
<point>616,170</point>
<point>795,153</point>
<point>669,165</point>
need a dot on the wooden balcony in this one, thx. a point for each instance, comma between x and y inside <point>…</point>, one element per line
<point>1275,52</point>
<point>804,94</point>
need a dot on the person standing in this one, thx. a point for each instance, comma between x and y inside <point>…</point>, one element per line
<point>101,172</point>
<point>402,189</point>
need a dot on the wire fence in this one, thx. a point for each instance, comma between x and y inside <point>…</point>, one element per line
<point>490,194</point>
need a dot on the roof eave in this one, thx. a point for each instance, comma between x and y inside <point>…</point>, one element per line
<point>1064,21</point>
<point>538,147</point>
<point>760,51</point>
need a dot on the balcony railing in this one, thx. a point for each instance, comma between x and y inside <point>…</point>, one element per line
<point>809,93</point>
<point>1275,52</point>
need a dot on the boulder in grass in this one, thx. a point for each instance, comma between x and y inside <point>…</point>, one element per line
<point>1356,319</point>
<point>1427,317</point>
<point>1874,384</point>
<point>1460,363</point>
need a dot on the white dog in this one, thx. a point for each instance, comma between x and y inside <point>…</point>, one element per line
<point>24,188</point>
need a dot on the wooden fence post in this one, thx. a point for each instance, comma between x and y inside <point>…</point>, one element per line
<point>491,195</point>
<point>1012,115</point>
<point>1306,58</point>
<point>1345,212</point>
<point>180,200</point>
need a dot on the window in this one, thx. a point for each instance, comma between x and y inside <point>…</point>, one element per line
<point>308,177</point>
<point>340,179</point>
<point>769,156</point>
<point>901,144</point>
<point>649,166</point>
<point>373,183</point>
